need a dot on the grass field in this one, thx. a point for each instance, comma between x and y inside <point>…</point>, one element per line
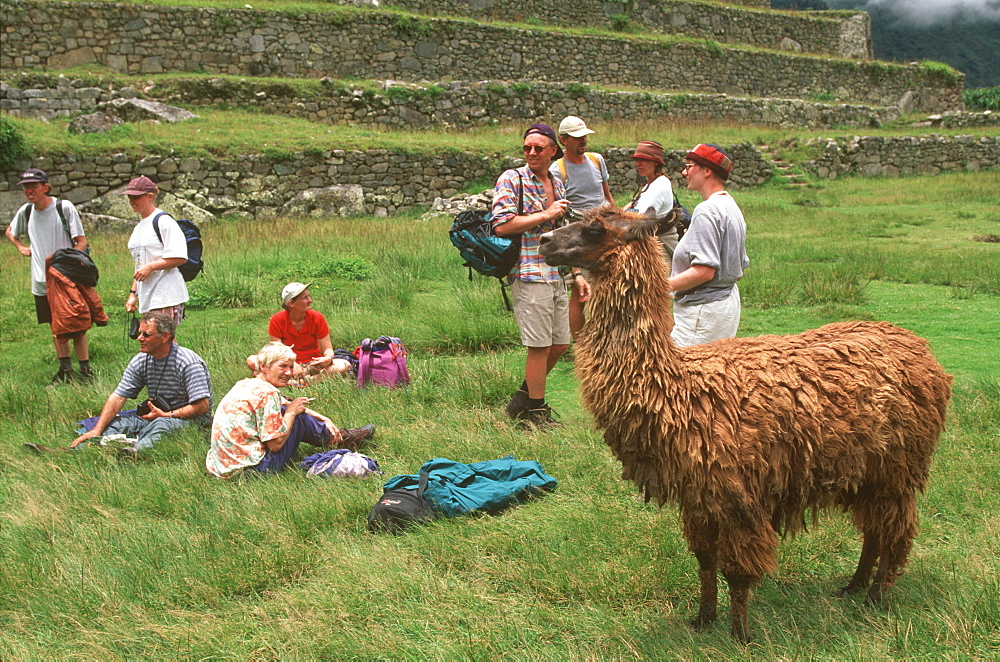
<point>106,561</point>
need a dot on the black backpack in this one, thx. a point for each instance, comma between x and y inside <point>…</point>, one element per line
<point>399,509</point>
<point>192,237</point>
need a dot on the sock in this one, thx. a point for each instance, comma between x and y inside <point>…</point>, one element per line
<point>84,365</point>
<point>536,403</point>
<point>65,364</point>
<point>523,386</point>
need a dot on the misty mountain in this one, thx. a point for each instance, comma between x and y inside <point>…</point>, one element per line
<point>962,33</point>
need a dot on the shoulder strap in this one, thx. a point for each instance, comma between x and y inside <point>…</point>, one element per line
<point>562,168</point>
<point>520,194</point>
<point>594,160</point>
<point>62,218</point>
<point>156,226</point>
<point>422,485</point>
<point>23,215</point>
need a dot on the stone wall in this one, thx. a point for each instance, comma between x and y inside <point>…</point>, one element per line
<point>255,185</point>
<point>65,97</point>
<point>871,156</point>
<point>381,45</point>
<point>841,34</point>
<point>446,104</point>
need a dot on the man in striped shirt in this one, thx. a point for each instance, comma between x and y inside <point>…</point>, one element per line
<point>177,384</point>
<point>529,202</point>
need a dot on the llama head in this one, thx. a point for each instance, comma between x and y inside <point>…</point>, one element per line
<point>590,242</point>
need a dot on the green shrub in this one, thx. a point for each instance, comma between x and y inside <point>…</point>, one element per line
<point>983,98</point>
<point>13,146</point>
<point>522,89</point>
<point>621,23</point>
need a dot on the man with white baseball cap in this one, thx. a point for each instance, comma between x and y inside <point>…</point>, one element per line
<point>585,176</point>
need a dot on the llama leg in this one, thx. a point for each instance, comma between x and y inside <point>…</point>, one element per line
<point>745,554</point>
<point>702,538</point>
<point>739,599</point>
<point>869,554</point>
<point>900,522</point>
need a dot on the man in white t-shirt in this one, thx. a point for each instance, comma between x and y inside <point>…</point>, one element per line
<point>158,247</point>
<point>585,176</point>
<point>47,230</point>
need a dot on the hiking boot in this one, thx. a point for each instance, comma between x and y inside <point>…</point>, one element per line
<point>354,438</point>
<point>127,454</point>
<point>540,417</point>
<point>63,377</point>
<point>86,374</point>
<point>518,404</point>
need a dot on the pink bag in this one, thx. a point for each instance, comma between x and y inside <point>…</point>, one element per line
<point>382,361</point>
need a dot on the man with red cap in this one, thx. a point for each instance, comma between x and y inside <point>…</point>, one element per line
<point>711,256</point>
<point>49,224</point>
<point>529,202</point>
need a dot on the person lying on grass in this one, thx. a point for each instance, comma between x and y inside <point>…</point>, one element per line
<point>256,429</point>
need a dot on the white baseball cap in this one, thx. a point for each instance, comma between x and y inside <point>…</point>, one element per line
<point>293,290</point>
<point>573,126</point>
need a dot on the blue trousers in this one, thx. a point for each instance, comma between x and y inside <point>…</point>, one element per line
<point>147,432</point>
<point>306,429</point>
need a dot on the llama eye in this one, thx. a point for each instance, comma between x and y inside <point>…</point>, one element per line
<point>593,232</point>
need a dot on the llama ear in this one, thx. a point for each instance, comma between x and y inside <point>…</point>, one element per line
<point>645,226</point>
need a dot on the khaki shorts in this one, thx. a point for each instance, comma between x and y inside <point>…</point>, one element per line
<point>707,322</point>
<point>542,312</point>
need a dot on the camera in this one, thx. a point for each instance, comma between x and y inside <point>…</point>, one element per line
<point>144,409</point>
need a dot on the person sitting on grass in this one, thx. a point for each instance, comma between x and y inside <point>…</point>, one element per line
<point>307,333</point>
<point>177,384</point>
<point>256,429</point>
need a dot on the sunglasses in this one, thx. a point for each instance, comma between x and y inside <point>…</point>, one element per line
<point>535,149</point>
<point>147,334</point>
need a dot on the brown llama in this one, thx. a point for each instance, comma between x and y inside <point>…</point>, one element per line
<point>745,434</point>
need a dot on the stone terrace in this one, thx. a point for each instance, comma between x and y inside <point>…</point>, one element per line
<point>384,45</point>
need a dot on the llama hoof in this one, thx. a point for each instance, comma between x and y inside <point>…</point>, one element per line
<point>875,598</point>
<point>699,624</point>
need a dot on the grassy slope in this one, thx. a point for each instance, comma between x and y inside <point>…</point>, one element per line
<point>109,561</point>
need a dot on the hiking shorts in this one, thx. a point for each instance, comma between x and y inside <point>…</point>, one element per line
<point>542,312</point>
<point>42,311</point>
<point>707,322</point>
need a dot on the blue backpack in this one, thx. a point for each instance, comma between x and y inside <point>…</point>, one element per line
<point>474,236</point>
<point>192,237</point>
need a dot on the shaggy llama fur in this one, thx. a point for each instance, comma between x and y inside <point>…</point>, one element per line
<point>746,434</point>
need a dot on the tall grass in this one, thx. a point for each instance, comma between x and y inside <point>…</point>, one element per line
<point>110,561</point>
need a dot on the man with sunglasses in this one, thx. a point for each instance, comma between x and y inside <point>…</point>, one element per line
<point>529,202</point>
<point>178,389</point>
